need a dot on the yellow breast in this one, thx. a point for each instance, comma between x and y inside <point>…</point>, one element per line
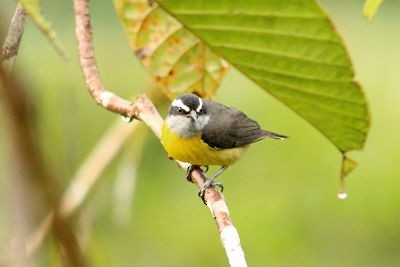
<point>194,151</point>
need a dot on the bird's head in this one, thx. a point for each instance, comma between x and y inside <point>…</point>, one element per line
<point>187,115</point>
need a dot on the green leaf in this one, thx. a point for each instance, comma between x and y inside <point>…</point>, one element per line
<point>175,58</point>
<point>33,9</point>
<point>291,50</point>
<point>370,8</point>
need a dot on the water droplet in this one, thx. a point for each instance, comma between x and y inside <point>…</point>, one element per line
<point>127,118</point>
<point>342,187</point>
<point>342,195</point>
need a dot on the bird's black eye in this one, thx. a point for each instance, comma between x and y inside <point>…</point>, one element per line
<point>181,111</point>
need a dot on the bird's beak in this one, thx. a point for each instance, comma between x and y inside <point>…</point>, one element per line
<point>192,115</point>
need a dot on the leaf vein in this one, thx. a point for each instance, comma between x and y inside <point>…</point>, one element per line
<point>263,31</point>
<point>280,83</point>
<point>323,107</point>
<point>289,74</point>
<point>277,54</point>
<point>242,13</point>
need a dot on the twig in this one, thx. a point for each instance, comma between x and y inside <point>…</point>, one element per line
<point>19,198</point>
<point>84,179</point>
<point>10,46</point>
<point>144,110</point>
<point>31,164</point>
<point>97,161</point>
<point>124,188</point>
<point>88,63</point>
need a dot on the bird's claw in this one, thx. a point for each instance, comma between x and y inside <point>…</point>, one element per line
<point>189,172</point>
<point>209,183</point>
<point>205,169</point>
<point>191,168</point>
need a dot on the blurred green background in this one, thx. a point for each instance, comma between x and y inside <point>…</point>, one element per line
<point>281,195</point>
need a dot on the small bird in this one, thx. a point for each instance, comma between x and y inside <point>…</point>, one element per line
<point>204,132</point>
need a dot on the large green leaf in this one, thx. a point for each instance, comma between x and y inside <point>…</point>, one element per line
<point>175,58</point>
<point>291,50</point>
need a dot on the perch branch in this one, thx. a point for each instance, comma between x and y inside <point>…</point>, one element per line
<point>10,46</point>
<point>144,110</point>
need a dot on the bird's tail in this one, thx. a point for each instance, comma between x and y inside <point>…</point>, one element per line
<point>274,135</point>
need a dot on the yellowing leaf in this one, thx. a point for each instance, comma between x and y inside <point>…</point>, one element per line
<point>175,58</point>
<point>371,7</point>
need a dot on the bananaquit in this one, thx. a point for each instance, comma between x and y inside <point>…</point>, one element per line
<point>204,132</point>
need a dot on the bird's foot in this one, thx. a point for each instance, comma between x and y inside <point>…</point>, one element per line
<point>191,168</point>
<point>205,169</point>
<point>189,172</point>
<point>209,183</point>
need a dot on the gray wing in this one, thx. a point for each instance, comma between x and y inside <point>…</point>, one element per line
<point>231,128</point>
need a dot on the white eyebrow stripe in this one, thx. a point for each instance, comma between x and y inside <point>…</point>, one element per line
<point>200,106</point>
<point>178,103</point>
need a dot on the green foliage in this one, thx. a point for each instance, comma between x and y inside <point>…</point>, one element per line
<point>370,8</point>
<point>33,9</point>
<point>291,50</point>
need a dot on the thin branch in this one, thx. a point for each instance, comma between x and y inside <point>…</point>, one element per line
<point>35,239</point>
<point>19,199</point>
<point>31,164</point>
<point>144,110</point>
<point>84,179</point>
<point>10,46</point>
<point>124,187</point>
<point>88,63</point>
<point>97,161</point>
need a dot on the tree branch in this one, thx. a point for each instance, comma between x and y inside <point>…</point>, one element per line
<point>144,110</point>
<point>84,179</point>
<point>88,63</point>
<point>29,163</point>
<point>10,46</point>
